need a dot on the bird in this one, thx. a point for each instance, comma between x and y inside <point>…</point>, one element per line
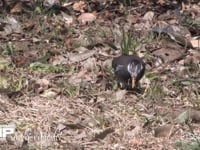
<point>128,70</point>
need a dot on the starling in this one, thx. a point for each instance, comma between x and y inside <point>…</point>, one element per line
<point>128,69</point>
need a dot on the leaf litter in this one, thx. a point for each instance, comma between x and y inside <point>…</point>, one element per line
<point>56,75</point>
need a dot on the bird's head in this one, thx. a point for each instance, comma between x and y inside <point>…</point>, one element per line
<point>135,68</point>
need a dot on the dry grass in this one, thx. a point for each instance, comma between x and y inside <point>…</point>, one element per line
<point>84,108</point>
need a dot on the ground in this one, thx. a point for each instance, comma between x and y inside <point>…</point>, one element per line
<point>58,89</point>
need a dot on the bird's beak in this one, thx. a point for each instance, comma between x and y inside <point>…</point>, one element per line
<point>133,82</point>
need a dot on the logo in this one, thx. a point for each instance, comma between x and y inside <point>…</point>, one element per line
<point>6,130</point>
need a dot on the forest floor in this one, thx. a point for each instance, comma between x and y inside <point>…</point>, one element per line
<point>57,87</point>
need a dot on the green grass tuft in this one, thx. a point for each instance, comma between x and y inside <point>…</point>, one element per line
<point>70,90</point>
<point>46,68</point>
<point>128,44</point>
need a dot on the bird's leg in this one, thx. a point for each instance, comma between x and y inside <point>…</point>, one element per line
<point>129,84</point>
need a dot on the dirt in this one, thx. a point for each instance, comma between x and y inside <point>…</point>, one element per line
<point>58,89</point>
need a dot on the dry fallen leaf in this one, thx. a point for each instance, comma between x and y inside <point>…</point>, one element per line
<point>168,54</point>
<point>192,59</point>
<point>195,116</point>
<point>149,16</point>
<point>50,3</point>
<point>60,127</point>
<point>163,131</point>
<point>68,43</point>
<point>132,19</point>
<point>136,142</point>
<point>12,26</point>
<point>120,94</point>
<point>50,93</point>
<point>195,43</point>
<point>80,77</point>
<point>79,6</point>
<point>161,2</point>
<point>179,34</point>
<point>16,9</point>
<point>135,132</point>
<point>103,134</point>
<point>43,82</point>
<point>3,107</point>
<point>89,64</point>
<point>59,59</point>
<point>28,25</point>
<point>183,117</point>
<point>67,18</point>
<point>82,56</point>
<point>86,18</point>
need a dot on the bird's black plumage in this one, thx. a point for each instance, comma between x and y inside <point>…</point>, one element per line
<point>127,67</point>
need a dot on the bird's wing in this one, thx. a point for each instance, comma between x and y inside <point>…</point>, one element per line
<point>119,67</point>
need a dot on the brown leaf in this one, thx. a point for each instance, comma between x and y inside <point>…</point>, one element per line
<point>89,64</point>
<point>161,2</point>
<point>136,142</point>
<point>79,6</point>
<point>3,107</point>
<point>120,95</point>
<point>74,126</point>
<point>193,58</point>
<point>82,56</point>
<point>86,18</point>
<point>60,127</point>
<point>163,131</point>
<point>50,93</point>
<point>136,131</point>
<point>59,59</point>
<point>67,19</point>
<point>178,34</point>
<point>195,43</point>
<point>183,117</point>
<point>76,79</point>
<point>12,26</point>
<point>28,25</point>
<point>195,116</point>
<point>149,16</point>
<point>168,55</point>
<point>103,134</point>
<point>43,82</point>
<point>68,43</point>
<point>16,9</point>
<point>132,19</point>
<point>50,3</point>
<point>21,61</point>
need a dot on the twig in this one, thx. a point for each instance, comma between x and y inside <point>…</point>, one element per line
<point>182,80</point>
